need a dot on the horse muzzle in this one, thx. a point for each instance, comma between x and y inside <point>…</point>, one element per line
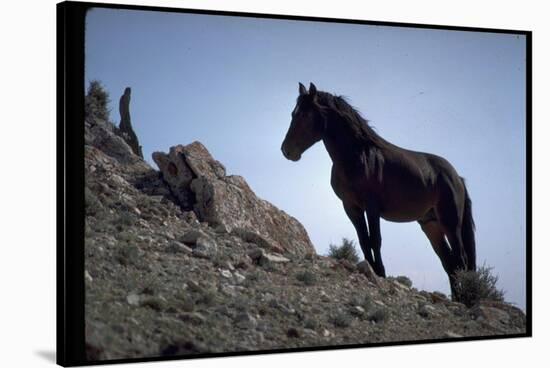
<point>292,156</point>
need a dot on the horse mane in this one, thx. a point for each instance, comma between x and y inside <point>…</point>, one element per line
<point>359,126</point>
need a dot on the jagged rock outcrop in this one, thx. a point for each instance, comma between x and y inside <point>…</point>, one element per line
<point>125,127</point>
<point>227,202</point>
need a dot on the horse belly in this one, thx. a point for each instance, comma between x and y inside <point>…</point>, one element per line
<point>406,210</point>
<point>400,216</point>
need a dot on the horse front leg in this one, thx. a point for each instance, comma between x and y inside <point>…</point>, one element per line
<point>357,218</point>
<point>375,241</point>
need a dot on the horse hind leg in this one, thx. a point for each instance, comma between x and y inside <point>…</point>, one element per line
<point>435,234</point>
<point>449,213</point>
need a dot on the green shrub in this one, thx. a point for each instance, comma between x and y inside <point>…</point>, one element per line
<point>311,324</point>
<point>379,315</point>
<point>207,297</point>
<point>96,101</point>
<point>474,286</point>
<point>127,254</point>
<point>404,280</point>
<point>341,320</point>
<point>92,204</point>
<point>307,277</point>
<point>124,221</point>
<point>345,251</point>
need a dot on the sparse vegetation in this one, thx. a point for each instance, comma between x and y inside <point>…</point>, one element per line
<point>379,315</point>
<point>125,220</point>
<point>311,323</point>
<point>345,251</point>
<point>93,205</point>
<point>307,277</point>
<point>404,280</point>
<point>341,320</point>
<point>207,297</point>
<point>474,286</point>
<point>127,254</point>
<point>96,101</point>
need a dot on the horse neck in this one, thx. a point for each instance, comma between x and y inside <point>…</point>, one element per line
<point>342,143</point>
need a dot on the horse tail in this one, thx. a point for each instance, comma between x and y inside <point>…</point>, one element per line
<point>468,229</point>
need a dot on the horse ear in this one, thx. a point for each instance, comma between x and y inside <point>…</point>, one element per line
<point>312,89</point>
<point>302,89</point>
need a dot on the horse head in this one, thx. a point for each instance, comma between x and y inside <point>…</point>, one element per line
<point>306,126</point>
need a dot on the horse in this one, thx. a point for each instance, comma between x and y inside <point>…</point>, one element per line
<point>375,177</point>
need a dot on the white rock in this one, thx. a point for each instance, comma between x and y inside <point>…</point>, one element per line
<point>452,335</point>
<point>226,273</point>
<point>133,299</point>
<point>88,276</point>
<point>239,278</point>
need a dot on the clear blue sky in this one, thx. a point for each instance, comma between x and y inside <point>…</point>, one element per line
<point>231,83</point>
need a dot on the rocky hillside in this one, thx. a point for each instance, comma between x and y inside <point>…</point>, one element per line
<point>189,260</point>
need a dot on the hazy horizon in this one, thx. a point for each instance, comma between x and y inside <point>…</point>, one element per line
<point>232,82</point>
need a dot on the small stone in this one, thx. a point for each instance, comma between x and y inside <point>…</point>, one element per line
<point>192,236</point>
<point>324,297</point>
<point>133,299</point>
<point>87,276</point>
<point>256,254</point>
<point>221,229</point>
<point>493,316</point>
<point>365,268</point>
<point>226,274</point>
<point>275,258</point>
<point>177,247</point>
<point>452,335</point>
<point>326,333</point>
<point>195,318</point>
<point>349,266</point>
<point>190,217</point>
<point>426,311</point>
<point>193,286</point>
<point>228,290</point>
<point>245,321</point>
<point>258,239</point>
<point>358,310</point>
<point>261,257</point>
<point>293,333</point>
<point>205,247</point>
<point>155,303</point>
<point>239,279</point>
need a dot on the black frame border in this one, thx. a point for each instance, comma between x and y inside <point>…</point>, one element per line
<point>70,337</point>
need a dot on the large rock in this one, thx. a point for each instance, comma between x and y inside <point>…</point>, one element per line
<point>199,181</point>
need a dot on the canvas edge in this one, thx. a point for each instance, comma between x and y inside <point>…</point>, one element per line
<point>70,184</point>
<point>70,181</point>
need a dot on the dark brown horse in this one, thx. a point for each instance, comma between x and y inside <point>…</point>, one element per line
<point>373,176</point>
